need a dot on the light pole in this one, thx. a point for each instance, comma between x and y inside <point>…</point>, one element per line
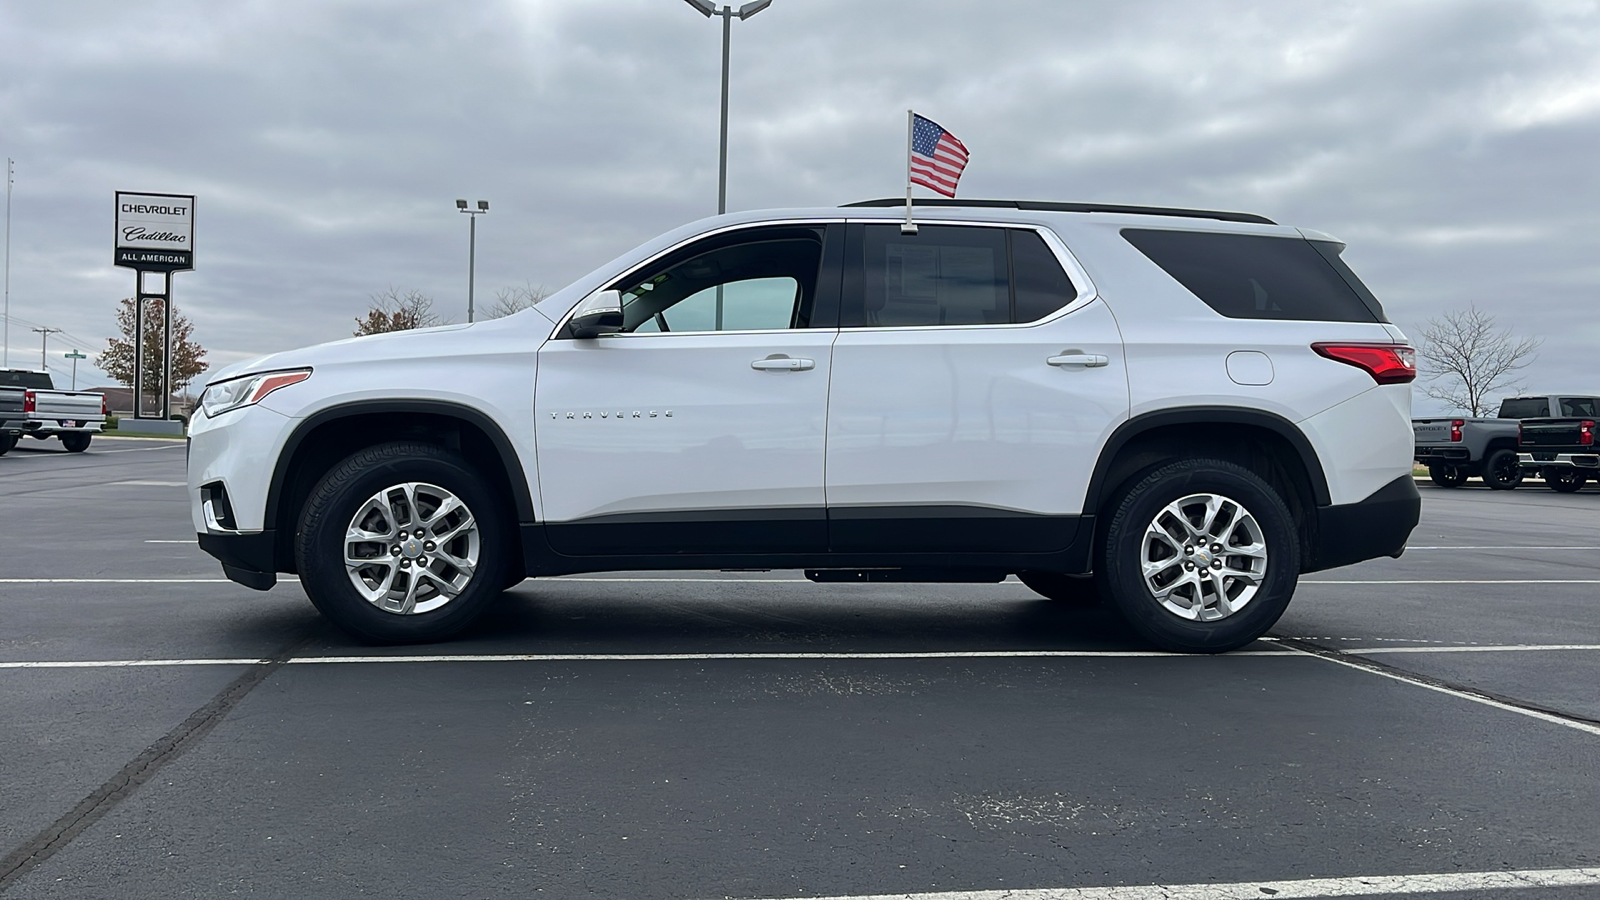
<point>472,244</point>
<point>75,356</point>
<point>708,9</point>
<point>6,338</point>
<point>44,344</point>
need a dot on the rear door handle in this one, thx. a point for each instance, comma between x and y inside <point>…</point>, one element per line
<point>1087,360</point>
<point>784,364</point>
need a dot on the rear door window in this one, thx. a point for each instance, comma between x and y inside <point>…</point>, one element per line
<point>1251,276</point>
<point>1577,406</point>
<point>952,275</point>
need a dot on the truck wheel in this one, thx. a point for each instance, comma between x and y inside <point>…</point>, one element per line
<point>1446,475</point>
<point>1501,471</point>
<point>8,439</point>
<point>1076,590</point>
<point>1564,480</point>
<point>1200,556</point>
<point>402,543</point>
<point>76,442</point>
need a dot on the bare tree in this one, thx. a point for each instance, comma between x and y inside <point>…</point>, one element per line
<point>1468,359</point>
<point>514,300</point>
<point>394,311</point>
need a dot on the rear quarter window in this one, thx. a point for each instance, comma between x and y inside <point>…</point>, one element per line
<point>1251,276</point>
<point>38,381</point>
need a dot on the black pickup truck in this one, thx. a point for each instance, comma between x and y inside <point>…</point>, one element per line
<point>12,417</point>
<point>1563,450</point>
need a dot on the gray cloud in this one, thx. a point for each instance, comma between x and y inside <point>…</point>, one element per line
<point>1449,144</point>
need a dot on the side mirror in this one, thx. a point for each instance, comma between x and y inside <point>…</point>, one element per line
<point>599,313</point>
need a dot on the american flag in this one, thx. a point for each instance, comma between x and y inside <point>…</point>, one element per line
<point>937,158</point>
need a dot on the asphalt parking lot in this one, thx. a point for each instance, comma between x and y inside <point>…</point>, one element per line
<point>1412,725</point>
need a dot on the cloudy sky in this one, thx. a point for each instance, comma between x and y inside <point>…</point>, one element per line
<point>1453,145</point>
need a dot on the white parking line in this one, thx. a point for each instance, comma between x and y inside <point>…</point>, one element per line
<point>151,483</point>
<point>630,657</point>
<point>1304,889</point>
<point>1414,681</point>
<point>1517,547</point>
<point>1481,648</point>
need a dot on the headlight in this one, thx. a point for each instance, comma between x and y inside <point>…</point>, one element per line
<point>236,392</point>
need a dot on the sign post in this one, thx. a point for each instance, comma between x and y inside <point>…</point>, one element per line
<point>154,237</point>
<point>75,356</point>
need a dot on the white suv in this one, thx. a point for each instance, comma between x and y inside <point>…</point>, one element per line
<point>1176,411</point>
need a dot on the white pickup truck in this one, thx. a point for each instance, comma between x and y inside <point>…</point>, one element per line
<point>73,416</point>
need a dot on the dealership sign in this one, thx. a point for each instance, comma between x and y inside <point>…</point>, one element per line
<point>155,232</point>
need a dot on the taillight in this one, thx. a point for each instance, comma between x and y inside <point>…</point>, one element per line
<point>27,402</point>
<point>1586,433</point>
<point>104,409</point>
<point>1386,363</point>
<point>1455,430</point>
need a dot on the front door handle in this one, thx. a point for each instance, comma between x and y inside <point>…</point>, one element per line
<point>784,364</point>
<point>1087,360</point>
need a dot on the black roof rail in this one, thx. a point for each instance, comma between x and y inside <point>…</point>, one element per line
<point>1053,206</point>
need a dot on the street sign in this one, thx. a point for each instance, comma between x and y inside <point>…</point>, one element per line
<point>76,355</point>
<point>155,232</point>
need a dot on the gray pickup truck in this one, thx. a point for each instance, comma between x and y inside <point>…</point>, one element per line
<point>1563,449</point>
<point>1455,449</point>
<point>74,416</point>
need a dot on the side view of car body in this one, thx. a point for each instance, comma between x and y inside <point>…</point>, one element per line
<point>1178,412</point>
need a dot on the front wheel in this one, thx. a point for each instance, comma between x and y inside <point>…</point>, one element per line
<point>1501,470</point>
<point>1564,480</point>
<point>1446,475</point>
<point>403,543</point>
<point>75,442</point>
<point>1200,556</point>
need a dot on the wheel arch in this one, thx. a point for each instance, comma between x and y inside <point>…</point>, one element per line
<point>1266,443</point>
<point>332,434</point>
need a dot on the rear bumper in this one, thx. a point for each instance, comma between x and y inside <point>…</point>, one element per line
<point>1374,527</point>
<point>1455,453</point>
<point>1586,461</point>
<point>247,558</point>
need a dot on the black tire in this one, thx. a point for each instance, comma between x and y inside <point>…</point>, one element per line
<point>1564,480</point>
<point>1077,590</point>
<point>1501,471</point>
<point>1122,552</point>
<point>8,439</point>
<point>1446,475</point>
<point>319,541</point>
<point>75,442</point>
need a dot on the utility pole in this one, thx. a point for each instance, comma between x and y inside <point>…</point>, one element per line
<point>75,356</point>
<point>5,340</point>
<point>44,342</point>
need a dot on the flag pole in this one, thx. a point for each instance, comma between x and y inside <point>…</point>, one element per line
<point>909,227</point>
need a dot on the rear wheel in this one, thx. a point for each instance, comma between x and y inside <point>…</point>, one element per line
<point>1501,470</point>
<point>1077,590</point>
<point>8,439</point>
<point>75,442</point>
<point>1446,475</point>
<point>1565,480</point>
<point>402,543</point>
<point>1200,556</point>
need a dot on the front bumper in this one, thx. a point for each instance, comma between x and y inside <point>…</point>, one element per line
<point>1374,527</point>
<point>247,557</point>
